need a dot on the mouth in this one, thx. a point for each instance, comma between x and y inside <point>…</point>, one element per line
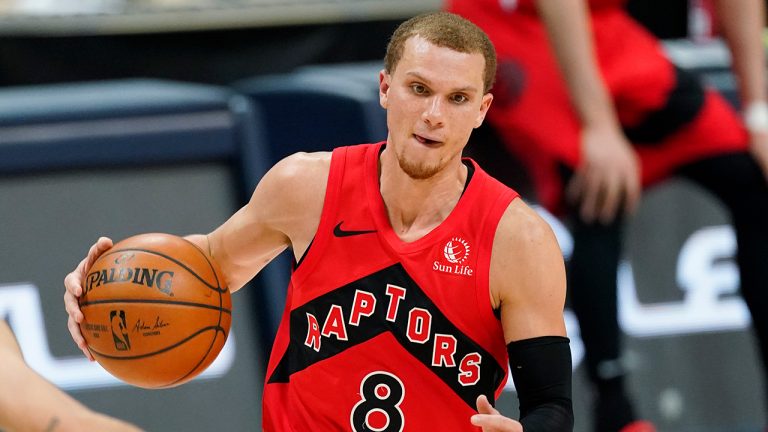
<point>425,140</point>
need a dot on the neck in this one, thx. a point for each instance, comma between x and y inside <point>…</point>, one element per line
<point>416,206</point>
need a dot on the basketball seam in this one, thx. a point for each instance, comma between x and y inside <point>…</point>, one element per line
<point>168,348</point>
<point>221,300</point>
<point>173,302</point>
<point>217,288</point>
<point>210,264</point>
<point>202,359</point>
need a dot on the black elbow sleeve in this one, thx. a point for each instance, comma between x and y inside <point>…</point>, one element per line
<point>541,370</point>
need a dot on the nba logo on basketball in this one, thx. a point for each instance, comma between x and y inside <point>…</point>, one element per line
<point>119,330</point>
<point>456,251</point>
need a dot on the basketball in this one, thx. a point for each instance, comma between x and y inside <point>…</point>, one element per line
<point>157,310</point>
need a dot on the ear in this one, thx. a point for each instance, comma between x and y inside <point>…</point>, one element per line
<point>484,106</point>
<point>384,80</point>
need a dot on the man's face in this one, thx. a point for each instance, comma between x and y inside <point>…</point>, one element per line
<point>434,98</point>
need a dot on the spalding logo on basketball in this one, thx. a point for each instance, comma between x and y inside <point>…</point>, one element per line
<point>456,250</point>
<point>157,310</point>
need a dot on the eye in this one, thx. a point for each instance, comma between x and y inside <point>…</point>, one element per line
<point>459,98</point>
<point>418,89</point>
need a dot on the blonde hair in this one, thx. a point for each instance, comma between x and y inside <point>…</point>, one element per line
<point>444,30</point>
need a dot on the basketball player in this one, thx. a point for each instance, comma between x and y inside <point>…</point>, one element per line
<point>30,403</point>
<point>589,102</point>
<point>417,274</point>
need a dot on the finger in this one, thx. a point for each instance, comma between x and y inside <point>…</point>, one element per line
<point>73,281</point>
<point>495,422</point>
<point>590,197</point>
<point>77,336</point>
<point>102,244</point>
<point>632,194</point>
<point>87,353</point>
<point>611,199</point>
<point>762,161</point>
<point>760,154</point>
<point>485,407</point>
<point>574,189</point>
<point>72,307</point>
<point>765,169</point>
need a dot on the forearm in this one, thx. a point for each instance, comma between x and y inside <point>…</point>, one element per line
<point>30,403</point>
<point>568,28</point>
<point>234,276</point>
<point>541,370</point>
<point>551,417</point>
<point>742,23</point>
<point>239,253</point>
<point>26,401</point>
<point>204,241</point>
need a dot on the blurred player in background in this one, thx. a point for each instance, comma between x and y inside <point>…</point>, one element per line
<point>30,403</point>
<point>588,101</point>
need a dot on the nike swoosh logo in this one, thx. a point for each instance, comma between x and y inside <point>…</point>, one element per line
<point>338,232</point>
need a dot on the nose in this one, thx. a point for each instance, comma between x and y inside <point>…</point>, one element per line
<point>433,112</point>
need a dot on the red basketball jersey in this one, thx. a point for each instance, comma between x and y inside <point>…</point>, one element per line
<point>380,334</point>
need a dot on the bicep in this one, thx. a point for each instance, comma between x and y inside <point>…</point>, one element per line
<point>284,211</point>
<point>527,276</point>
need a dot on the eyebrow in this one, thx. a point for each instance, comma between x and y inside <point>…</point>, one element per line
<point>465,89</point>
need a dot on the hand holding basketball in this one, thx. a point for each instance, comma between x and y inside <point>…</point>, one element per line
<point>73,289</point>
<point>155,309</point>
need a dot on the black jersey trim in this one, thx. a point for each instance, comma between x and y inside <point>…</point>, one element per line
<point>683,104</point>
<point>299,356</point>
<point>470,172</point>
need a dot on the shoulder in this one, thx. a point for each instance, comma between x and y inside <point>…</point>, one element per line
<point>301,167</point>
<point>299,176</point>
<point>289,198</point>
<point>520,226</point>
<point>526,261</point>
<point>297,181</point>
<point>293,186</point>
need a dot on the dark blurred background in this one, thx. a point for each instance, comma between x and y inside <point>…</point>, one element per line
<point>215,41</point>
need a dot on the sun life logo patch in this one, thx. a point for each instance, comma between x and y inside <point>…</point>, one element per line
<point>456,251</point>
